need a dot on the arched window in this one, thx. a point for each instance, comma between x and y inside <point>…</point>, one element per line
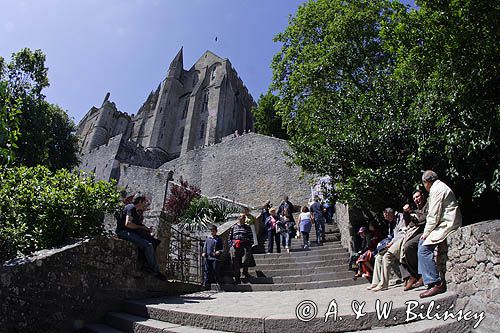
<point>205,101</point>
<point>202,130</point>
<point>212,74</point>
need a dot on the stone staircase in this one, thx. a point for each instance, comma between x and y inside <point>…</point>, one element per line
<point>284,281</point>
<point>277,312</point>
<point>322,266</point>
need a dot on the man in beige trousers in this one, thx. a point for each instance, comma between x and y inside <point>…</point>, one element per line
<point>442,219</point>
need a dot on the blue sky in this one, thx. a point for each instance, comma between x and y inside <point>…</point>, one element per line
<point>126,46</point>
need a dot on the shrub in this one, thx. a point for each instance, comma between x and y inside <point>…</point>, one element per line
<point>201,214</point>
<point>41,209</point>
<point>179,199</point>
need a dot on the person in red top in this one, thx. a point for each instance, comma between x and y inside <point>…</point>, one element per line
<point>370,237</point>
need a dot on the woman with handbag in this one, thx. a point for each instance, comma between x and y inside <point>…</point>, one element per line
<point>286,224</point>
<point>273,231</point>
<point>304,226</point>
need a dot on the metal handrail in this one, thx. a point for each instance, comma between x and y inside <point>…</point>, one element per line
<point>184,261</point>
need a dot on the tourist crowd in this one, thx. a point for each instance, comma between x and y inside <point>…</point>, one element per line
<point>406,242</point>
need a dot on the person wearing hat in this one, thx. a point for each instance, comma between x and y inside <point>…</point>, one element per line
<point>370,239</point>
<point>212,250</point>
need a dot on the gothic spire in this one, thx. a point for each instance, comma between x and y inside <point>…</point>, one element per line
<point>176,66</point>
<point>177,60</point>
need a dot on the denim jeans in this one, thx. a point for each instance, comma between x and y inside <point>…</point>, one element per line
<point>319,226</point>
<point>286,240</point>
<point>145,245</point>
<point>272,236</point>
<point>305,238</point>
<point>426,264</point>
<point>211,272</point>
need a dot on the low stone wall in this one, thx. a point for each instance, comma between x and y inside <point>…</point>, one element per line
<point>473,270</point>
<point>345,227</point>
<point>62,289</point>
<point>349,220</point>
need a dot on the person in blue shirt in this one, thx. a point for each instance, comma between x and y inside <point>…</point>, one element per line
<point>212,250</point>
<point>319,220</point>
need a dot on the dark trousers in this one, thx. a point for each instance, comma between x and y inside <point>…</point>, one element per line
<point>305,238</point>
<point>272,236</point>
<point>319,225</point>
<point>144,244</point>
<point>238,256</point>
<point>410,261</point>
<point>211,272</point>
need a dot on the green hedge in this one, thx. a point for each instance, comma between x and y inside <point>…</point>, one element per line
<point>41,209</point>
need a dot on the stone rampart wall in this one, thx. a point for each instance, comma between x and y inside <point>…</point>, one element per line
<point>251,169</point>
<point>150,182</point>
<point>60,290</point>
<point>101,160</point>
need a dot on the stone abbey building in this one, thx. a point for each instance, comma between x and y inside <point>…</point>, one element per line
<point>186,128</point>
<point>189,109</point>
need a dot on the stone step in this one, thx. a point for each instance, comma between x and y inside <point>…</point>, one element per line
<point>342,254</point>
<point>306,276</point>
<point>309,277</point>
<point>135,324</point>
<point>304,265</point>
<point>244,287</point>
<point>297,271</point>
<point>426,326</point>
<point>317,250</point>
<point>276,312</point>
<point>99,328</point>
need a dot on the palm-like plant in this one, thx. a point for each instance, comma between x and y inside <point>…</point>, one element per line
<point>201,214</point>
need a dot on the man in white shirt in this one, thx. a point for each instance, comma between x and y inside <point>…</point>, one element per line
<point>442,219</point>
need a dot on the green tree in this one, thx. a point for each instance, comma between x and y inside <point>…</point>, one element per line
<point>448,72</point>
<point>9,124</point>
<point>267,120</point>
<point>46,134</point>
<point>332,79</point>
<point>374,93</point>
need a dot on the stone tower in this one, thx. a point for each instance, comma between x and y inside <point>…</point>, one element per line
<point>189,109</point>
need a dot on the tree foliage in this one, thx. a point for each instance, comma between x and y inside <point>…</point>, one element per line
<point>267,120</point>
<point>9,124</point>
<point>41,209</point>
<point>46,133</point>
<point>373,92</point>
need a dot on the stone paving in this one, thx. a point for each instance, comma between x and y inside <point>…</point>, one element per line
<point>277,311</point>
<point>337,309</point>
